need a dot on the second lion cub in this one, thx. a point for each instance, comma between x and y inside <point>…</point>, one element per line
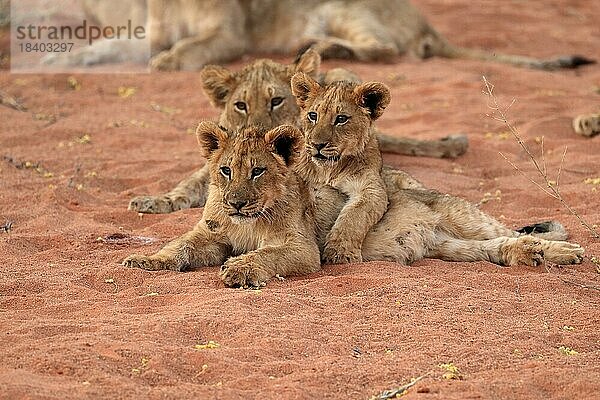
<point>343,152</point>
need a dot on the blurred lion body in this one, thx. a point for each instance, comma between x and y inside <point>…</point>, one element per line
<point>188,34</point>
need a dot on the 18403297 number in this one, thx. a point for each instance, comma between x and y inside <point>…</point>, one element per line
<point>46,47</point>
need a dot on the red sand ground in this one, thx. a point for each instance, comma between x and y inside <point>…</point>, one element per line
<point>75,324</point>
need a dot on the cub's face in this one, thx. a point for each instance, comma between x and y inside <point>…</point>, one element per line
<point>250,167</point>
<point>259,95</point>
<point>336,119</point>
<point>266,100</point>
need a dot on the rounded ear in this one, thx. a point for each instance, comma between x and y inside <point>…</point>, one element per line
<point>217,82</point>
<point>373,96</point>
<point>309,63</point>
<point>303,88</point>
<point>286,141</point>
<point>210,137</point>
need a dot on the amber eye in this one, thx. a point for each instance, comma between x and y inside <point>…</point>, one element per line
<point>240,105</point>
<point>341,119</point>
<point>276,101</point>
<point>257,171</point>
<point>226,172</point>
<point>312,116</point>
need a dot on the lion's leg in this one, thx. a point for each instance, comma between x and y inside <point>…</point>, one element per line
<point>219,35</point>
<point>190,192</point>
<point>461,219</point>
<point>524,250</point>
<point>349,33</point>
<point>101,52</point>
<point>297,256</point>
<point>196,248</point>
<point>448,147</point>
<point>105,51</point>
<point>191,54</point>
<point>365,207</point>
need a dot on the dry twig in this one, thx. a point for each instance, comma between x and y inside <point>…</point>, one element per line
<point>399,391</point>
<point>549,187</point>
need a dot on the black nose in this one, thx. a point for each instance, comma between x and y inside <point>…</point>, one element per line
<point>238,205</point>
<point>319,146</point>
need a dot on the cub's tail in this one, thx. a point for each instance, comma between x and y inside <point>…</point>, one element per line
<point>549,230</point>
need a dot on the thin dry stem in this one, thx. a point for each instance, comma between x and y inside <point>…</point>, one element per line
<point>560,167</point>
<point>552,190</point>
<point>397,392</point>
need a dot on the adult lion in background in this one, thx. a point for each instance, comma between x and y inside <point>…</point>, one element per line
<point>188,34</point>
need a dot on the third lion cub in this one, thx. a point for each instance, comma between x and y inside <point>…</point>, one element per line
<point>343,152</point>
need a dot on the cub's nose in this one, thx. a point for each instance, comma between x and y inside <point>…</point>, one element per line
<point>238,205</point>
<point>319,146</point>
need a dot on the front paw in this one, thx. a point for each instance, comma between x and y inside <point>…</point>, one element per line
<point>158,204</point>
<point>164,61</point>
<point>145,262</point>
<point>525,250</point>
<point>243,272</point>
<point>340,253</point>
<point>564,253</point>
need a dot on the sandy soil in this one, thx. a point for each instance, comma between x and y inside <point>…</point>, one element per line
<point>75,324</point>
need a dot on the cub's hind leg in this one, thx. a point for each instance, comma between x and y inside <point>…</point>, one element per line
<point>461,219</point>
<point>524,250</point>
<point>190,192</point>
<point>216,34</point>
<point>349,32</point>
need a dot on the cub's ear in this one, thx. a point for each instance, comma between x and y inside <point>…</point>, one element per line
<point>303,88</point>
<point>217,82</point>
<point>210,137</point>
<point>373,96</point>
<point>309,63</point>
<point>286,141</point>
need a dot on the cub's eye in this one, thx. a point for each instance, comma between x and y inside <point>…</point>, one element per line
<point>276,101</point>
<point>240,105</point>
<point>257,171</point>
<point>341,119</point>
<point>226,172</point>
<point>312,116</point>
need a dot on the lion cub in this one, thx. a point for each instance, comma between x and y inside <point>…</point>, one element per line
<point>343,152</point>
<point>253,224</point>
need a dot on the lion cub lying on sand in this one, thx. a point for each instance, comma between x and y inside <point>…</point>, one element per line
<point>261,220</point>
<point>259,215</point>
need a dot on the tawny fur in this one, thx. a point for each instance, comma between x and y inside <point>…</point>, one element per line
<point>261,219</point>
<point>587,124</point>
<point>253,224</point>
<point>257,86</point>
<point>342,152</point>
<point>188,34</point>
